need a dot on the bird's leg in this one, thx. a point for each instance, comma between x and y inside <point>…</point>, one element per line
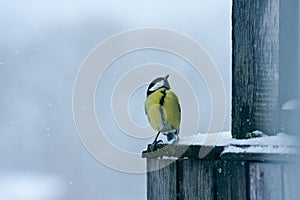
<point>154,143</point>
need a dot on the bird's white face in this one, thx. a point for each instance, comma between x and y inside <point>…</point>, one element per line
<point>157,85</point>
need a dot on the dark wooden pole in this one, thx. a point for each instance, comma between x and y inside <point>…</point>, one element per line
<point>255,66</point>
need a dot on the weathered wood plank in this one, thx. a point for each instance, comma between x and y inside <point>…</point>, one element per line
<point>223,176</point>
<point>197,179</point>
<point>183,151</point>
<point>231,180</point>
<point>216,152</point>
<point>265,181</point>
<point>161,182</point>
<point>255,66</point>
<point>259,157</point>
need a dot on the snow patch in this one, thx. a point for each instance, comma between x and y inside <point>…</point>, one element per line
<point>293,104</point>
<point>207,139</point>
<point>269,149</point>
<point>169,158</point>
<point>278,144</point>
<point>225,138</point>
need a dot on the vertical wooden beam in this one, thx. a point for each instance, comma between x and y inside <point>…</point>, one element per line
<point>161,182</point>
<point>255,66</point>
<point>231,180</point>
<point>197,179</point>
<point>227,176</point>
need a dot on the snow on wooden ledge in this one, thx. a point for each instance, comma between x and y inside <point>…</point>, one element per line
<point>225,138</point>
<point>281,147</point>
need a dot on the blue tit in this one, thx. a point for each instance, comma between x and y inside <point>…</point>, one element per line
<point>163,110</point>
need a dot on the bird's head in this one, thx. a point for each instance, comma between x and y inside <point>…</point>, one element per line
<point>160,82</point>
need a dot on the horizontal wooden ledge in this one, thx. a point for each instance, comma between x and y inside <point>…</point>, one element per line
<point>176,151</point>
<point>212,146</point>
<point>274,153</point>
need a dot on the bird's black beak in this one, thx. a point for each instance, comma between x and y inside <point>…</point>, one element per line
<point>166,82</point>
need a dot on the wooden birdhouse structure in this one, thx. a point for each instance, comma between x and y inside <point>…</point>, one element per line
<point>265,97</point>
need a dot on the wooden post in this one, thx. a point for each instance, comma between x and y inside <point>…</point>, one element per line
<point>255,66</point>
<point>260,59</point>
<point>161,183</point>
<point>221,175</point>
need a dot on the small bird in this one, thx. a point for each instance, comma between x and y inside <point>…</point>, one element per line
<point>163,110</point>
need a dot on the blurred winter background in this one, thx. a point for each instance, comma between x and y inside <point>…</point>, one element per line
<point>42,45</point>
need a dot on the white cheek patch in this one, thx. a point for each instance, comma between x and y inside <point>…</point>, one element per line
<point>157,85</point>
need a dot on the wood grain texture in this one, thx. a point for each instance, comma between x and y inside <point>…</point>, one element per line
<point>255,66</point>
<point>197,179</point>
<point>161,183</point>
<point>184,151</point>
<point>231,180</point>
<point>222,179</point>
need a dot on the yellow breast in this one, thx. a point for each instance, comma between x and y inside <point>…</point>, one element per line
<point>163,110</point>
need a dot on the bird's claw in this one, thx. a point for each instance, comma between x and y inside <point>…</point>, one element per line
<point>153,146</point>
